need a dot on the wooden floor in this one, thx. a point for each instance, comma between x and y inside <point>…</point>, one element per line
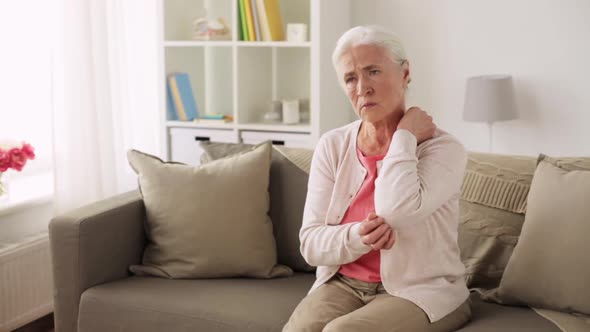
<point>43,324</point>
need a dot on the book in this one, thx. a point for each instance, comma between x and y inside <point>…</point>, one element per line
<point>214,119</point>
<point>171,113</point>
<point>275,22</point>
<point>215,116</point>
<point>249,20</point>
<point>262,20</point>
<point>182,96</point>
<point>243,22</point>
<point>256,19</point>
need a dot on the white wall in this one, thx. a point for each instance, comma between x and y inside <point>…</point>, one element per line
<point>32,220</point>
<point>543,44</point>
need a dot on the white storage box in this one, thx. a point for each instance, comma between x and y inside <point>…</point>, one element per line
<point>184,142</point>
<point>291,140</point>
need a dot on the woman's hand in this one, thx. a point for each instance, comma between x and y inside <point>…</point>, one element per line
<point>419,123</point>
<point>376,233</point>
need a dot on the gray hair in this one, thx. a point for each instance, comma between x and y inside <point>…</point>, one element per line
<point>370,35</point>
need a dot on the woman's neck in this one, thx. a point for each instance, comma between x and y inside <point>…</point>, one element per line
<point>374,137</point>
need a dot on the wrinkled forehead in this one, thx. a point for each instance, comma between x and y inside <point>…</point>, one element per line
<point>361,56</point>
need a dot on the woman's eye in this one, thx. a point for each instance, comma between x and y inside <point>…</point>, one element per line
<point>349,80</point>
<point>374,72</point>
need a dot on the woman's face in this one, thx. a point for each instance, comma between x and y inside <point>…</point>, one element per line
<point>374,83</point>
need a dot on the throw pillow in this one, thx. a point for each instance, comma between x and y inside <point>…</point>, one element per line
<point>209,221</point>
<point>549,267</point>
<point>289,173</point>
<point>486,238</point>
<point>492,205</point>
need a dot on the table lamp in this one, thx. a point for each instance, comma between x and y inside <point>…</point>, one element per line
<point>489,98</point>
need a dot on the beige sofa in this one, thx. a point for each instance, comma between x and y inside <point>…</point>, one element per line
<point>93,247</point>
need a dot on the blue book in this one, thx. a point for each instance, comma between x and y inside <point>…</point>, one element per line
<point>170,109</point>
<point>182,96</point>
<point>213,116</point>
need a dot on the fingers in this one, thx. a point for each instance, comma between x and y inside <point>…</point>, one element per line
<point>390,241</point>
<point>376,234</point>
<point>382,241</point>
<point>418,122</point>
<point>369,224</point>
<point>386,242</point>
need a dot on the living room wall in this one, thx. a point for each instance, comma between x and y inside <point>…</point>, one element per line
<point>543,44</point>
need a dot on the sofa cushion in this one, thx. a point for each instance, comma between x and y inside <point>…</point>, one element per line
<point>209,221</point>
<point>491,317</point>
<point>549,267</point>
<point>153,304</point>
<point>493,198</point>
<point>487,237</point>
<point>289,173</point>
<point>567,163</point>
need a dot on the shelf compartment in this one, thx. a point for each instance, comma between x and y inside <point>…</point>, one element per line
<point>210,73</point>
<point>296,11</point>
<point>271,74</point>
<point>180,14</point>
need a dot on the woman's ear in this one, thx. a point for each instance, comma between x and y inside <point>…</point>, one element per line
<point>406,73</point>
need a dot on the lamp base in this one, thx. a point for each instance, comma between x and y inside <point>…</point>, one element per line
<point>490,137</point>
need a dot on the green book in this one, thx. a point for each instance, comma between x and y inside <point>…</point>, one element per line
<point>243,23</point>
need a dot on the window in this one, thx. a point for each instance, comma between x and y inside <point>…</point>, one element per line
<point>27,31</point>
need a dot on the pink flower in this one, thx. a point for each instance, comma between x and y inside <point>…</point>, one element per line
<point>28,150</point>
<point>18,159</point>
<point>4,161</point>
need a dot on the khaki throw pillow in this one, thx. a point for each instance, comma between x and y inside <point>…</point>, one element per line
<point>549,266</point>
<point>487,237</point>
<point>209,221</point>
<point>492,205</point>
<point>289,173</point>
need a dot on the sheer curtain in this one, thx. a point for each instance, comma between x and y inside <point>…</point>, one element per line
<point>105,96</point>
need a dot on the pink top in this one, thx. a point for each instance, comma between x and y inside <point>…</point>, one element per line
<point>367,267</point>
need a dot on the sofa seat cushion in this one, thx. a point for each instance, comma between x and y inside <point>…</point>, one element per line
<point>491,317</point>
<point>155,304</point>
<point>152,304</point>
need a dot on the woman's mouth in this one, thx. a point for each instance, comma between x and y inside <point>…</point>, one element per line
<point>368,105</point>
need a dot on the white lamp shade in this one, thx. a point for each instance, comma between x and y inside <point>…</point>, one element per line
<point>489,98</point>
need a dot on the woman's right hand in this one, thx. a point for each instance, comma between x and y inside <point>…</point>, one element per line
<point>376,233</point>
<point>419,123</point>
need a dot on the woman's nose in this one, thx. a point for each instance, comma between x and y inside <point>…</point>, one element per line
<point>364,86</point>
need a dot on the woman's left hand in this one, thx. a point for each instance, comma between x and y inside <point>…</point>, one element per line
<point>385,242</point>
<point>373,233</point>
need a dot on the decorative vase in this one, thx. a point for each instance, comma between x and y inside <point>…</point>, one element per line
<point>3,189</point>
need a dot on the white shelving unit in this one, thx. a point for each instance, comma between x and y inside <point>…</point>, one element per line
<point>242,78</point>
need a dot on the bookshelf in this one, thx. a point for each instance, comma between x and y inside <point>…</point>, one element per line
<point>243,78</point>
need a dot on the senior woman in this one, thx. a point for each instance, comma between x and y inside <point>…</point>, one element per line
<point>381,214</point>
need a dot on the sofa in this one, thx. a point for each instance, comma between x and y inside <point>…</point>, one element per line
<point>94,246</point>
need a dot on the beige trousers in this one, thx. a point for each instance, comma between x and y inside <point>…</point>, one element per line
<point>344,304</point>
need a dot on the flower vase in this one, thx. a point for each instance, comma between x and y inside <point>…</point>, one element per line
<point>3,189</point>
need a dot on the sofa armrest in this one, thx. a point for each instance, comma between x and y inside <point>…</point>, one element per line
<point>93,245</point>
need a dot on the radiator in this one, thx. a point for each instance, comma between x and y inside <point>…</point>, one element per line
<point>26,281</point>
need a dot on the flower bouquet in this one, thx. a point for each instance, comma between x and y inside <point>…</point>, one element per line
<point>15,156</point>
